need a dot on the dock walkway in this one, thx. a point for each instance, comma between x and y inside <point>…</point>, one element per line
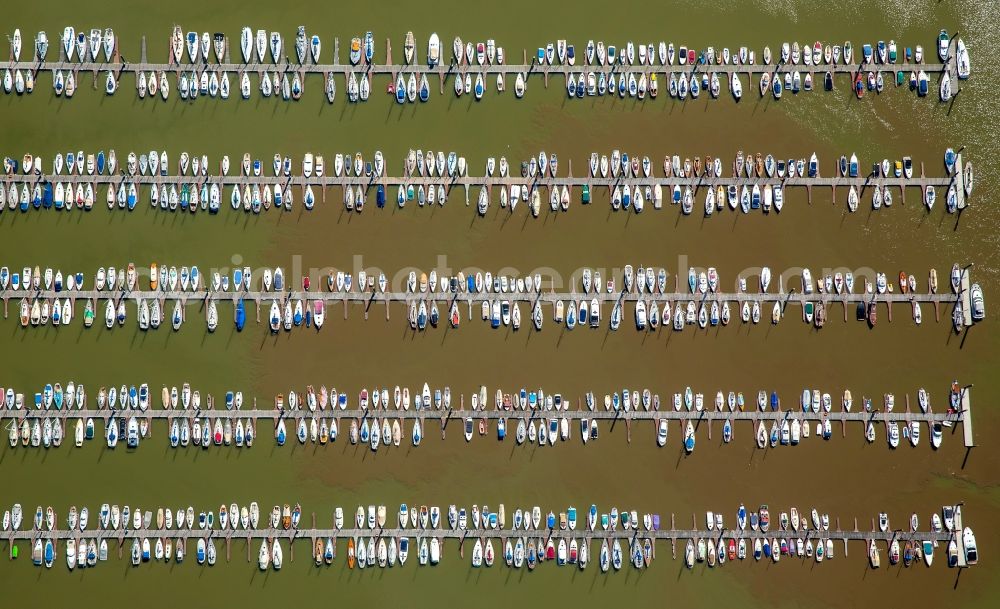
<point>708,417</point>
<point>528,66</point>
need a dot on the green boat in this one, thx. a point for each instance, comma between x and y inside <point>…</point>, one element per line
<point>585,195</point>
<point>900,77</point>
<point>809,311</point>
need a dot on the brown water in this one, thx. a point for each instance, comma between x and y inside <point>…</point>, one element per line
<point>846,477</point>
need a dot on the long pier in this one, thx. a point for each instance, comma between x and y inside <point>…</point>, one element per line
<point>548,297</point>
<point>859,182</point>
<point>757,416</point>
<point>528,66</point>
<point>493,183</point>
<point>460,534</point>
<point>962,298</point>
<point>636,539</point>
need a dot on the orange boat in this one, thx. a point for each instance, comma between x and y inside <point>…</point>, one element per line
<point>154,277</point>
<point>904,286</point>
<point>319,552</point>
<point>350,553</point>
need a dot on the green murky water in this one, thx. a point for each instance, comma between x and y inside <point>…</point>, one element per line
<point>844,476</point>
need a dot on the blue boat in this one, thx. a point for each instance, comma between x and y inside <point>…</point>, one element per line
<point>380,196</point>
<point>400,90</point>
<point>774,400</point>
<point>949,160</point>
<point>550,521</point>
<point>425,91</point>
<point>100,162</point>
<point>689,444</point>
<point>540,56</point>
<point>47,196</point>
<point>369,46</point>
<point>241,315</point>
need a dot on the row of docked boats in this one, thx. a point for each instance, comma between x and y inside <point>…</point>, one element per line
<point>114,518</point>
<point>293,310</point>
<point>255,198</point>
<point>642,280</point>
<point>212,83</point>
<point>530,540</point>
<point>127,421</point>
<point>764,187</point>
<point>95,46</point>
<point>368,431</point>
<point>418,163</point>
<point>260,47</point>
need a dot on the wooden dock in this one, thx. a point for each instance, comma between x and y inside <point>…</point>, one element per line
<point>706,417</point>
<point>455,69</point>
<point>862,184</point>
<point>493,183</point>
<point>580,534</point>
<point>367,298</point>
